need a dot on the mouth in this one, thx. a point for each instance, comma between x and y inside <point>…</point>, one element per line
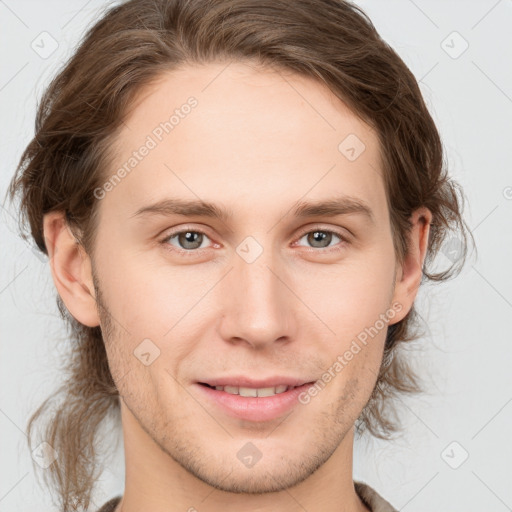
<point>252,392</point>
<point>256,404</point>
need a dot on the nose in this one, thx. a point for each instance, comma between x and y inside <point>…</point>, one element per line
<point>258,307</point>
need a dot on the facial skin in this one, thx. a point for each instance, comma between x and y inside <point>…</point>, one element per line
<point>256,143</point>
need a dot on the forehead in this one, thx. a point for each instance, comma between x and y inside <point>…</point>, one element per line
<point>238,134</point>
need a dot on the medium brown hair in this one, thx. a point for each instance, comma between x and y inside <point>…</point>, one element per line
<point>81,111</point>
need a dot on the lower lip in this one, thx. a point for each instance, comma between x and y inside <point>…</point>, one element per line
<point>259,408</point>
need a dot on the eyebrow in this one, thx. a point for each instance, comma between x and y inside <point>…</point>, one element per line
<point>342,205</point>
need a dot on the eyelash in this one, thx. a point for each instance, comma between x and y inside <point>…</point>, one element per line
<point>193,252</point>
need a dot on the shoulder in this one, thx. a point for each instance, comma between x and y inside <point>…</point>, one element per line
<point>110,505</point>
<point>368,495</point>
<point>374,501</point>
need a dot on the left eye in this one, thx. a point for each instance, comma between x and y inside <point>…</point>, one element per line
<point>320,237</point>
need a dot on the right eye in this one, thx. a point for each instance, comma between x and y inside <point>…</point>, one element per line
<point>188,240</point>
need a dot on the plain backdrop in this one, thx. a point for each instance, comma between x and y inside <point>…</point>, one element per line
<point>455,454</point>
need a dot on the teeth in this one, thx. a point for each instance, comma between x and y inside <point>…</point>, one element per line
<point>248,391</point>
<point>234,390</point>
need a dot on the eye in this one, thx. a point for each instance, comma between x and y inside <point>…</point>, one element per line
<point>321,238</point>
<point>187,240</point>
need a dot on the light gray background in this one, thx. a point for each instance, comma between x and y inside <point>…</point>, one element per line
<point>466,354</point>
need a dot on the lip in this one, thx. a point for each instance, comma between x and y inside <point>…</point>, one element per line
<point>253,408</point>
<point>244,382</point>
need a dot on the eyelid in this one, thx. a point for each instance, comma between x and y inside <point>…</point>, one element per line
<point>324,251</point>
<point>328,229</point>
<point>184,229</point>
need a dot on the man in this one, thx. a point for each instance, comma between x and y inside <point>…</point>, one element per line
<point>238,200</point>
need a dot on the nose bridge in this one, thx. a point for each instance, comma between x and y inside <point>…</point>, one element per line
<point>258,306</point>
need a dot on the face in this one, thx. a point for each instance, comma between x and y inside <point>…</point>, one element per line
<point>261,292</point>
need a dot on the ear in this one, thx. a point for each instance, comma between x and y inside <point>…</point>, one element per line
<point>71,269</point>
<point>409,274</point>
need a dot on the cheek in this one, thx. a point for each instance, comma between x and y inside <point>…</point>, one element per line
<point>355,306</point>
<point>158,308</point>
<point>141,297</point>
<point>353,297</point>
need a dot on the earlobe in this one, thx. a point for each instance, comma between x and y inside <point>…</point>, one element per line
<point>409,275</point>
<point>71,269</point>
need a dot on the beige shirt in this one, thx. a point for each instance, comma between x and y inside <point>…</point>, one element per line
<point>374,501</point>
<point>369,497</point>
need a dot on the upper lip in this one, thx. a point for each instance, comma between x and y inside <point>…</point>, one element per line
<point>245,382</point>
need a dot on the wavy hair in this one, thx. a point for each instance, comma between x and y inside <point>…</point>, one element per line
<point>129,47</point>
